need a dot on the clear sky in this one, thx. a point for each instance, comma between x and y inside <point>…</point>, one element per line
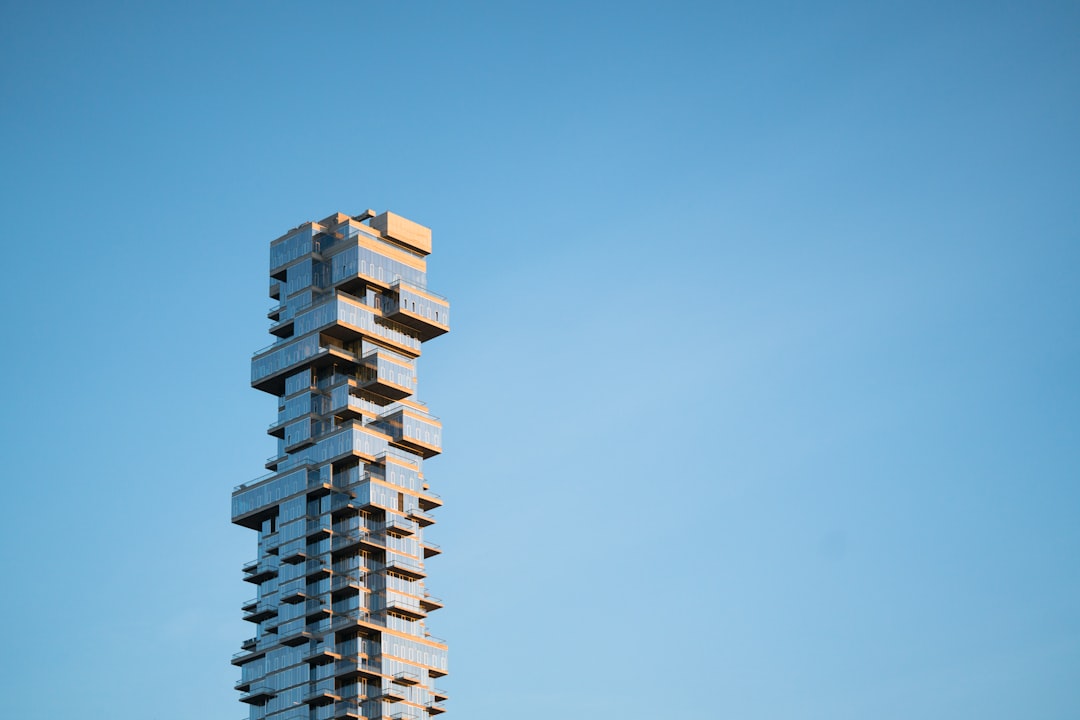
<point>763,395</point>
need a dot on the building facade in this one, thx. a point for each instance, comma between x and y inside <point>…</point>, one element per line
<point>340,612</point>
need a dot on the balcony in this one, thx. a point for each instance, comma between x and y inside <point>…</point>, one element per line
<point>393,693</point>
<point>342,504</point>
<point>323,694</point>
<point>415,431</point>
<point>256,572</point>
<point>431,603</point>
<point>407,678</point>
<point>318,568</point>
<point>294,556</point>
<point>347,710</point>
<point>423,311</point>
<point>439,695</point>
<point>349,319</point>
<point>260,612</point>
<point>354,667</point>
<point>421,517</point>
<point>399,526</point>
<point>258,696</point>
<point>282,328</point>
<point>430,501</point>
<point>357,620</point>
<point>246,656</point>
<point>406,606</point>
<point>294,597</point>
<point>315,608</point>
<point>431,550</point>
<point>406,566</point>
<point>434,707</point>
<point>298,638</point>
<point>346,404</point>
<point>322,656</point>
<point>380,374</point>
<point>270,365</point>
<point>319,528</point>
<point>344,542</point>
<point>346,583</point>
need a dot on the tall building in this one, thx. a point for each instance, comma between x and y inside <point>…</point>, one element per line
<point>341,607</point>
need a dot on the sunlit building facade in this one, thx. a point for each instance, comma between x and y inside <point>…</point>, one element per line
<point>341,605</point>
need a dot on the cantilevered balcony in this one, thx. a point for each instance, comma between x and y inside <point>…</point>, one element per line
<point>346,583</point>
<point>357,620</point>
<point>282,328</point>
<point>415,431</point>
<point>318,568</point>
<point>316,609</point>
<point>406,566</point>
<point>294,555</point>
<point>354,539</point>
<point>270,365</point>
<point>260,612</point>
<point>258,695</point>
<point>346,404</point>
<point>406,678</point>
<point>431,550</point>
<point>256,572</point>
<point>246,656</point>
<point>421,517</point>
<point>429,500</point>
<point>353,667</point>
<point>409,607</point>
<point>342,318</point>
<point>324,693</point>
<point>319,527</point>
<point>347,710</point>
<point>431,603</point>
<point>345,503</point>
<point>297,638</point>
<point>422,310</point>
<point>383,375</point>
<point>322,656</point>
<point>294,596</point>
<point>399,526</point>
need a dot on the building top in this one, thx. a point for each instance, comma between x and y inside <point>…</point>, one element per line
<point>406,232</point>
<point>395,228</point>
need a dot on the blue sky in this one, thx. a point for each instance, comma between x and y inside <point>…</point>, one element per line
<point>763,395</point>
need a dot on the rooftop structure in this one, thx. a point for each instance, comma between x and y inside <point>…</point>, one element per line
<point>341,606</point>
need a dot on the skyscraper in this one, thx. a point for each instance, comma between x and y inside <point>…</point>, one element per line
<point>341,605</point>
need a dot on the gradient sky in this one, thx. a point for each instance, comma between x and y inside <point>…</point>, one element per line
<point>762,400</point>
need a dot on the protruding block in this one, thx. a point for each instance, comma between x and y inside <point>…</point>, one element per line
<point>406,232</point>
